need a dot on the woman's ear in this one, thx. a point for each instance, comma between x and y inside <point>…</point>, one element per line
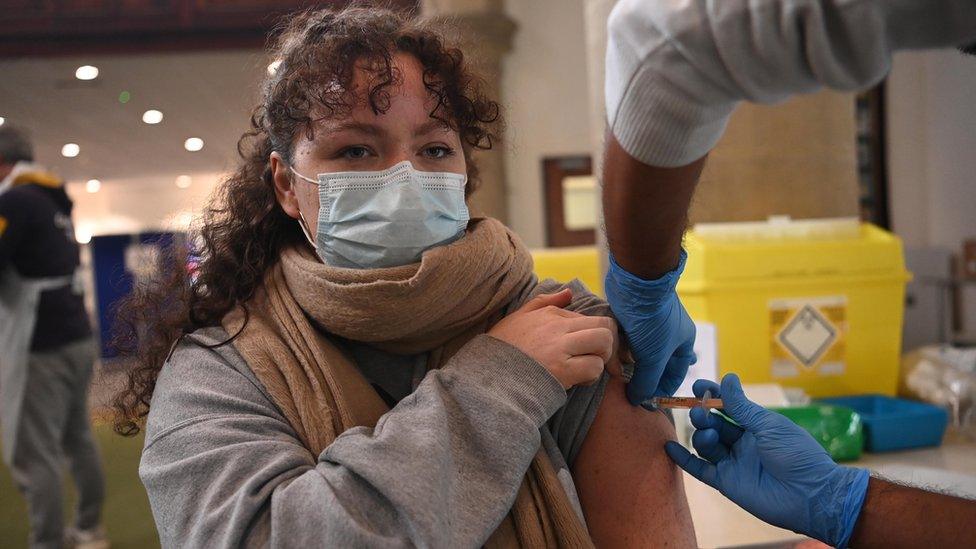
<point>283,185</point>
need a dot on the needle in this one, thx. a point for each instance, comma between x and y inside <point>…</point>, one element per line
<point>706,402</point>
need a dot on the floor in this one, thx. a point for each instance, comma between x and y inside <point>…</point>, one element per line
<point>126,515</point>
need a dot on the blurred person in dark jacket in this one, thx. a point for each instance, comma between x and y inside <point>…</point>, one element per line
<point>46,351</point>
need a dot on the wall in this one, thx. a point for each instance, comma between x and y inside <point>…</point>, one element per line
<point>129,207</point>
<point>544,87</point>
<point>797,158</point>
<point>152,203</point>
<point>932,152</point>
<point>932,140</point>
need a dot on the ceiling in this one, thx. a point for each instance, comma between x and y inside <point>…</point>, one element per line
<point>207,95</point>
<point>66,27</point>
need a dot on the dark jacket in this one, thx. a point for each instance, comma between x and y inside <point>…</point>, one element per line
<point>37,239</point>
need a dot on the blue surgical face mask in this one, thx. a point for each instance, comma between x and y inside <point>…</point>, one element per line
<point>369,220</point>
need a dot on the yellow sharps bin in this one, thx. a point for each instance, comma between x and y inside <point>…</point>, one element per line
<point>811,304</point>
<point>565,264</point>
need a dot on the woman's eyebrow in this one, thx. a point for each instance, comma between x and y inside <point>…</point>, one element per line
<point>430,126</point>
<point>362,127</point>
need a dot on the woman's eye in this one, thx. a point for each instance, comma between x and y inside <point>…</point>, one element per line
<point>438,151</point>
<point>354,153</point>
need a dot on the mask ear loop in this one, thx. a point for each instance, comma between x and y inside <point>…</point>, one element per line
<point>301,221</point>
<point>304,225</point>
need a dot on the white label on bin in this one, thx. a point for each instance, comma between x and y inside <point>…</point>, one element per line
<point>807,336</point>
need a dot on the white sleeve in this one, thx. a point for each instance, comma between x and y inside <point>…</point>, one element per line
<point>677,68</point>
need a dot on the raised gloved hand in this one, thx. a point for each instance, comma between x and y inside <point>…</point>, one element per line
<point>771,467</point>
<point>659,331</point>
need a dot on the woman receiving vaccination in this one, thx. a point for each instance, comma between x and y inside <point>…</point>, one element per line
<point>358,362</point>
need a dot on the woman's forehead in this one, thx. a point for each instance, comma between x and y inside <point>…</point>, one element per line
<point>405,102</point>
<point>404,79</point>
<point>380,102</point>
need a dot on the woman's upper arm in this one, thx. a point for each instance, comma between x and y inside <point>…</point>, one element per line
<point>216,449</point>
<point>631,493</point>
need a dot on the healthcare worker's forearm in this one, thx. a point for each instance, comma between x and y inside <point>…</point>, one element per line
<point>901,516</point>
<point>675,70</point>
<point>645,210</point>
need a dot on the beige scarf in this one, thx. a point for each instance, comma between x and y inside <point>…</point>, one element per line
<point>455,293</point>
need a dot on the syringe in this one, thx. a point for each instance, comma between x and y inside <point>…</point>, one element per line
<point>706,402</point>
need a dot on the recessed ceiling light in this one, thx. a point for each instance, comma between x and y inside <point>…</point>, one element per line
<point>70,150</point>
<point>152,116</point>
<point>2,120</point>
<point>86,72</point>
<point>93,185</point>
<point>83,235</point>
<point>193,144</point>
<point>183,181</point>
<point>273,66</point>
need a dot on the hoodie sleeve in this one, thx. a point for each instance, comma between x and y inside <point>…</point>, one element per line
<point>223,468</point>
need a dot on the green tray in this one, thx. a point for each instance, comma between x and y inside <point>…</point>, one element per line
<point>836,428</point>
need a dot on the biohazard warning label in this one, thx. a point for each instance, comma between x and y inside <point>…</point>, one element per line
<point>807,336</point>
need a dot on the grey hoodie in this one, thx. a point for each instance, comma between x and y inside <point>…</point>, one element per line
<point>223,468</point>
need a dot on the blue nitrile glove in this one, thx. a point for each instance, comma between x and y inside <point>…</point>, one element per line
<point>659,331</point>
<point>771,467</point>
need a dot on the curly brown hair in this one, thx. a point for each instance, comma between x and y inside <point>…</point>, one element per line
<point>243,228</point>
